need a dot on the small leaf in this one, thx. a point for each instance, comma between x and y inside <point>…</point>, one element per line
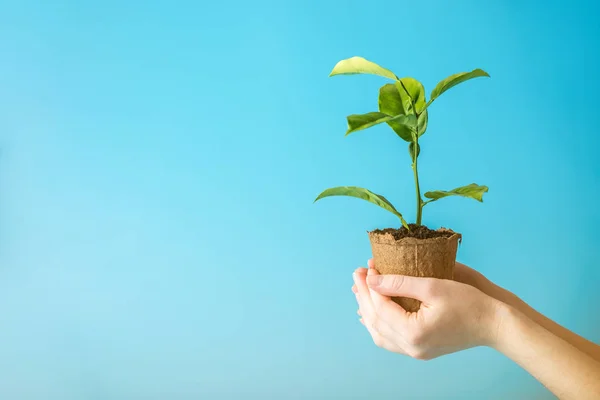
<point>423,118</point>
<point>390,103</point>
<point>411,150</point>
<point>416,91</point>
<point>394,100</point>
<point>359,65</point>
<point>454,80</point>
<point>473,191</point>
<point>357,122</point>
<point>364,194</point>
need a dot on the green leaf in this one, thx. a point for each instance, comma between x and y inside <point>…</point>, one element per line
<point>423,118</point>
<point>411,89</point>
<point>454,80</point>
<point>390,103</point>
<point>473,191</point>
<point>360,193</point>
<point>359,65</point>
<point>394,100</point>
<point>411,150</point>
<point>357,122</point>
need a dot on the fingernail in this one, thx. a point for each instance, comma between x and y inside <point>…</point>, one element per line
<point>374,280</point>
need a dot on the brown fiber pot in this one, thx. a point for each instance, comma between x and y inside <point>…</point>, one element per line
<point>433,258</point>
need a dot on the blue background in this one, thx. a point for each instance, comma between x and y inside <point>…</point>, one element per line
<point>159,161</point>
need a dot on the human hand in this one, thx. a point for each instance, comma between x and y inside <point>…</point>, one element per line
<point>453,316</point>
<point>469,276</point>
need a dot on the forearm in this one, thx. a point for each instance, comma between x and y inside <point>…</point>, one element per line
<point>561,367</point>
<point>584,345</point>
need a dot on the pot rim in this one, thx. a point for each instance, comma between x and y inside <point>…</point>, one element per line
<point>388,239</point>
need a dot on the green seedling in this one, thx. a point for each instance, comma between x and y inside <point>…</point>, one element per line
<point>404,108</point>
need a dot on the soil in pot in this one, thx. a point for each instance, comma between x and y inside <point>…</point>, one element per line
<point>420,251</point>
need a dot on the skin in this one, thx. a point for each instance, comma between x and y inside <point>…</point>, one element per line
<point>469,276</point>
<point>471,311</point>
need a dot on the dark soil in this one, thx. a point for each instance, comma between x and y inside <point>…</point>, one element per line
<point>419,232</point>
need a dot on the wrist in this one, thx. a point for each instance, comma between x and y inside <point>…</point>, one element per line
<point>503,325</point>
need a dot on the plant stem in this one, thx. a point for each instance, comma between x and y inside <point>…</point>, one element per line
<point>420,203</point>
<point>416,174</point>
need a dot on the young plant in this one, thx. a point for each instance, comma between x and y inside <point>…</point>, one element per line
<point>404,108</point>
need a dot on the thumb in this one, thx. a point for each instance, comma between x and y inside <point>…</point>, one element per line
<point>422,289</point>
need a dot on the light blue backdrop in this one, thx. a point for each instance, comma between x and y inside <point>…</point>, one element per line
<point>158,166</point>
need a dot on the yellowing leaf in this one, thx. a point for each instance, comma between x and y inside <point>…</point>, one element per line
<point>360,65</point>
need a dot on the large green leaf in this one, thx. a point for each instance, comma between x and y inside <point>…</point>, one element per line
<point>360,193</point>
<point>473,191</point>
<point>357,122</point>
<point>394,100</point>
<point>454,80</point>
<point>360,65</point>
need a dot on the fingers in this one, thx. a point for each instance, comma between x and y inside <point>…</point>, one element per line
<point>383,341</point>
<point>423,289</point>
<point>369,318</point>
<point>362,291</point>
<point>379,301</point>
<point>376,297</point>
<point>381,332</point>
<point>365,307</point>
<point>385,309</point>
<point>371,263</point>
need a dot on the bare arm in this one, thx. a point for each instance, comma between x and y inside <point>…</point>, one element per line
<point>471,277</point>
<point>455,316</point>
<point>565,370</point>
